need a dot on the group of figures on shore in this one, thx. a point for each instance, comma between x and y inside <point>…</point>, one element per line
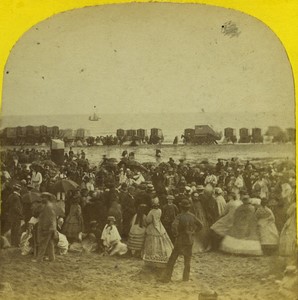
<point>151,211</point>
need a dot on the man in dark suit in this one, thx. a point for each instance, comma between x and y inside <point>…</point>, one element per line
<point>184,228</point>
<point>46,229</point>
<point>15,215</point>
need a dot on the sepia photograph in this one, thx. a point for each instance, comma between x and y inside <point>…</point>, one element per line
<point>148,152</point>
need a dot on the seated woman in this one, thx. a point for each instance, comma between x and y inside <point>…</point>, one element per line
<point>111,238</point>
<point>243,238</point>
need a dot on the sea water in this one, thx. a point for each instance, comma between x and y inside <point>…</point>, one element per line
<point>171,124</point>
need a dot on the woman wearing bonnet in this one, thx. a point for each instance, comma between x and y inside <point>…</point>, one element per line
<point>158,246</point>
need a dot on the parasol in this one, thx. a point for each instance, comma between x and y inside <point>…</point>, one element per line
<point>56,204</point>
<point>65,185</point>
<point>31,197</point>
<point>48,162</point>
<point>50,196</point>
<point>112,160</point>
<point>135,165</point>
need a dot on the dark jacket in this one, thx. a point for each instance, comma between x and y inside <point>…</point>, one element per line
<point>14,207</point>
<point>47,219</point>
<point>184,228</point>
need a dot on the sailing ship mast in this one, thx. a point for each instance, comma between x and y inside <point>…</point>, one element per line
<point>94,117</point>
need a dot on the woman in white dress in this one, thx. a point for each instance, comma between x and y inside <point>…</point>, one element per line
<point>220,200</point>
<point>225,223</point>
<point>242,237</point>
<point>158,246</point>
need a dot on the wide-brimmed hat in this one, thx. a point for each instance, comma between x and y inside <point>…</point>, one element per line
<point>48,196</point>
<point>17,186</point>
<point>155,201</point>
<point>111,218</point>
<point>185,203</point>
<point>170,197</point>
<point>150,187</point>
<point>218,190</point>
<point>188,189</point>
<point>200,187</point>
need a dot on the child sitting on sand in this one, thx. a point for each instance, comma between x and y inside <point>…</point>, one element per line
<point>111,239</point>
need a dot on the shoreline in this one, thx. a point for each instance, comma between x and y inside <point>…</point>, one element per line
<point>191,154</point>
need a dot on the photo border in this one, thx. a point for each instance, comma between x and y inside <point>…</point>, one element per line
<point>18,16</point>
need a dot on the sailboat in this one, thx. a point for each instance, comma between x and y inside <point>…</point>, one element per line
<point>94,116</point>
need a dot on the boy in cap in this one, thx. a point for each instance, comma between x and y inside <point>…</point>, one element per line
<point>184,227</point>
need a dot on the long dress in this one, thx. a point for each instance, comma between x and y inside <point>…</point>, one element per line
<point>158,246</point>
<point>201,238</point>
<point>221,205</point>
<point>136,235</point>
<point>242,238</point>
<point>267,228</point>
<point>287,242</point>
<point>73,224</point>
<point>224,224</point>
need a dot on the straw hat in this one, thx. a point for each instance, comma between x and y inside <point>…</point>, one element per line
<point>188,189</point>
<point>111,218</point>
<point>150,187</point>
<point>218,190</point>
<point>155,201</point>
<point>17,187</point>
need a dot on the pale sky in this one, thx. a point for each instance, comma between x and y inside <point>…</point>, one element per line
<point>147,58</point>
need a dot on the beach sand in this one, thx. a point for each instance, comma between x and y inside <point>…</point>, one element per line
<point>92,276</point>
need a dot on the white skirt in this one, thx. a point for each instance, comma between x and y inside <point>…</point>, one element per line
<point>237,246</point>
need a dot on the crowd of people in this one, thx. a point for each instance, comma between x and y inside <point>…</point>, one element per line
<point>147,210</point>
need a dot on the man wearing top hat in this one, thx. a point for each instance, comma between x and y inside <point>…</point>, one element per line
<point>15,214</point>
<point>184,228</point>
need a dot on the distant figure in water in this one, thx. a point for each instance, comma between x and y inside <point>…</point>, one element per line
<point>175,142</point>
<point>134,143</point>
<point>131,156</point>
<point>158,153</point>
<point>124,154</point>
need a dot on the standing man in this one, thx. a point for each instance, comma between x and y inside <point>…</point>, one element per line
<point>46,229</point>
<point>128,210</point>
<point>15,214</point>
<point>184,227</point>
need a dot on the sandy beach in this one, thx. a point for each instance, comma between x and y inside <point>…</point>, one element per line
<point>91,276</point>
